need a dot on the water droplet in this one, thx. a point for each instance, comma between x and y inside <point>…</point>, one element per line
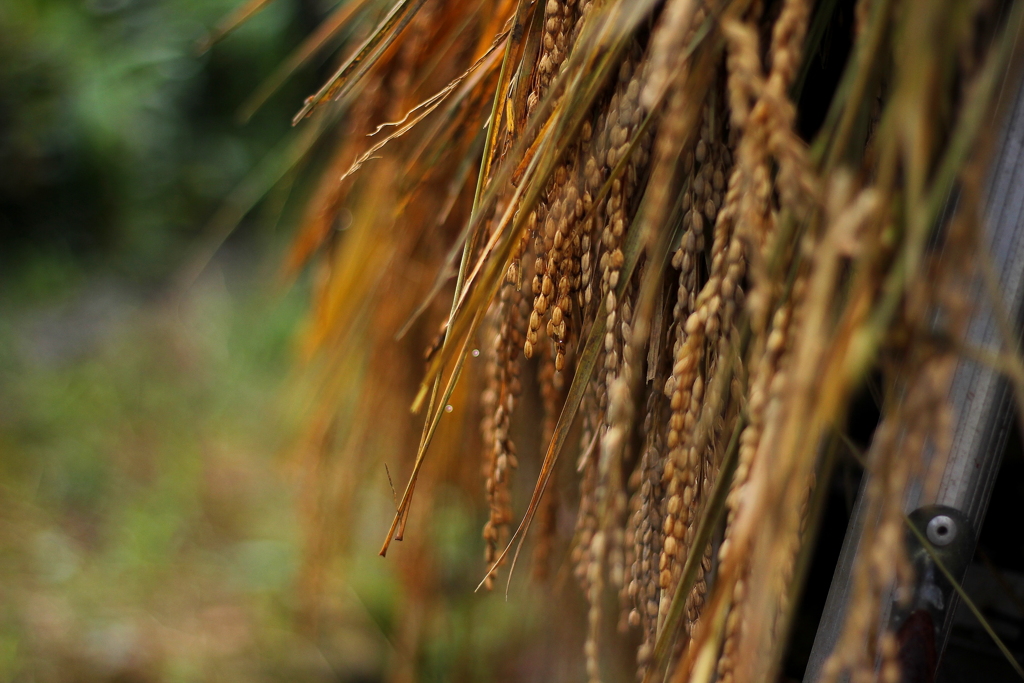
<point>448,408</point>
<point>476,353</point>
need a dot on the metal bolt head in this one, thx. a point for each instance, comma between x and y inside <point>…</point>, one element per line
<point>941,530</point>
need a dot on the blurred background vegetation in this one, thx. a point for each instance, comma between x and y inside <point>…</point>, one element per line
<point>118,138</point>
<point>148,529</point>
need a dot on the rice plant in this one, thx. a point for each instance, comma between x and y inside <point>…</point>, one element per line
<point>613,228</point>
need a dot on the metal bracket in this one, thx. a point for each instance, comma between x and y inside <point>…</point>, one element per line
<point>921,622</point>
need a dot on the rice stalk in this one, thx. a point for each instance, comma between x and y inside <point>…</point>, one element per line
<point>698,290</point>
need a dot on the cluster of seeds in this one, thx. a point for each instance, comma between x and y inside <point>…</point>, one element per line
<point>560,21</point>
<point>698,317</point>
<point>689,282</point>
<point>648,536</point>
<point>668,232</point>
<point>768,380</point>
<point>556,242</point>
<point>503,388</point>
<point>586,518</point>
<point>552,397</point>
<point>728,167</point>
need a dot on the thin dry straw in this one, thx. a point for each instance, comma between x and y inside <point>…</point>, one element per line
<point>365,57</point>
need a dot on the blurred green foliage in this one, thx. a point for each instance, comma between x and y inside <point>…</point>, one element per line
<point>148,530</point>
<point>148,527</point>
<point>117,139</point>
